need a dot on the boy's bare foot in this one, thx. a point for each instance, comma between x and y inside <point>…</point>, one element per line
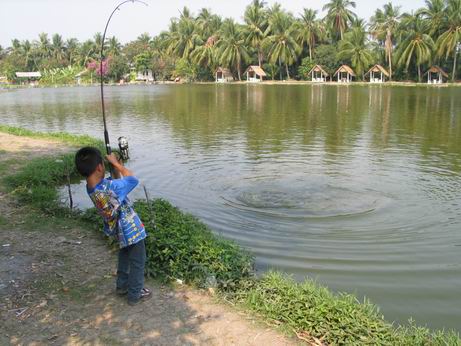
<point>146,294</point>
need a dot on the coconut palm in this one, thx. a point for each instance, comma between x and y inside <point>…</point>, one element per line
<point>417,45</point>
<point>449,41</point>
<point>384,25</point>
<point>205,54</point>
<point>71,49</point>
<point>435,13</point>
<point>309,30</point>
<point>355,47</point>
<point>114,47</point>
<point>185,38</point>
<point>339,15</point>
<point>44,45</point>
<point>256,23</point>
<point>232,51</point>
<point>57,47</point>
<point>282,44</point>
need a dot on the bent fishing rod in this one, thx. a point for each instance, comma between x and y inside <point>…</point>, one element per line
<point>123,143</point>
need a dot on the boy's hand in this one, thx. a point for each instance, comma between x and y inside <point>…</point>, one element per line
<point>120,169</point>
<point>112,159</point>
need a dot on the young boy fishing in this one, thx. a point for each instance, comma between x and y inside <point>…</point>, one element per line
<point>110,197</point>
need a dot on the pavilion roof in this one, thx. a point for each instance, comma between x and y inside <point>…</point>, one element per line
<point>224,71</point>
<point>378,68</point>
<point>437,69</point>
<point>256,69</point>
<point>347,69</point>
<point>318,68</point>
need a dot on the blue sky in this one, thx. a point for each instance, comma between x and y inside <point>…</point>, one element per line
<point>25,19</point>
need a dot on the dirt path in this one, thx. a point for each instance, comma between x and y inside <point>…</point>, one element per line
<point>57,286</point>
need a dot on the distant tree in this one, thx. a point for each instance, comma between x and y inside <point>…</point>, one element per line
<point>355,48</point>
<point>339,16</point>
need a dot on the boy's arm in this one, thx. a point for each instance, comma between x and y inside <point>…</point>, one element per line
<point>119,169</point>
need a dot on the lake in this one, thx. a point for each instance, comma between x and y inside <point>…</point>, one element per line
<point>356,186</point>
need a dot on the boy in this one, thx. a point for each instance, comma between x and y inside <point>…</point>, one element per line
<point>120,220</point>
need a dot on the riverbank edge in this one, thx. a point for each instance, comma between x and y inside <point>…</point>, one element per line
<point>309,310</point>
<point>267,82</point>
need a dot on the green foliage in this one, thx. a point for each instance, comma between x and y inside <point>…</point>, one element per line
<point>306,66</point>
<point>182,247</point>
<point>326,56</point>
<point>186,70</point>
<point>336,319</point>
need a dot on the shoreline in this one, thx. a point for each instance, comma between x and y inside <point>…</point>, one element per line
<point>267,82</point>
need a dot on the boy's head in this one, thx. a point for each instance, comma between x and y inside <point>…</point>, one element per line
<point>89,161</point>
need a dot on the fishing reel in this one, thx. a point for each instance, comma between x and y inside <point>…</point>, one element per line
<point>123,146</point>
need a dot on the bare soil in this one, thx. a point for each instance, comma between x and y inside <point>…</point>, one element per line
<point>57,285</point>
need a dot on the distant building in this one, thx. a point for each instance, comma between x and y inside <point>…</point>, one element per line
<point>255,74</point>
<point>145,76</point>
<point>377,74</point>
<point>435,75</point>
<point>318,74</point>
<point>223,75</point>
<point>345,74</point>
<point>78,77</point>
<point>29,77</point>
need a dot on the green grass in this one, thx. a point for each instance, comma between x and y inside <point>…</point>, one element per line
<point>60,136</point>
<point>181,247</point>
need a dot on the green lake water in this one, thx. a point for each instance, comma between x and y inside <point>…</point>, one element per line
<point>356,186</point>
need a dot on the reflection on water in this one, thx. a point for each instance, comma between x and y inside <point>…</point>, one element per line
<point>358,187</point>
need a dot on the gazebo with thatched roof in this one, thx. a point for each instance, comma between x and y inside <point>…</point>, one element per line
<point>345,74</point>
<point>318,74</point>
<point>435,75</point>
<point>223,75</point>
<point>377,70</point>
<point>255,74</point>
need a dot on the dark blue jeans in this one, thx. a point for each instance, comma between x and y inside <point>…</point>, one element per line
<point>130,272</point>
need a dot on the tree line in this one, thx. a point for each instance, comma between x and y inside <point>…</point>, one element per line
<point>285,45</point>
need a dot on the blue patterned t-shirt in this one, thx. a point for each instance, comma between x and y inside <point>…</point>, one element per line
<point>120,219</point>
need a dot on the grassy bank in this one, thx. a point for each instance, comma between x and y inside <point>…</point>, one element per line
<point>181,247</point>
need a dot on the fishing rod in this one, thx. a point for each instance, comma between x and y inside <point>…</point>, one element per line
<point>123,143</point>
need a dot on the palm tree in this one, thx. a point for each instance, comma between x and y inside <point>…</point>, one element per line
<point>184,38</point>
<point>384,25</point>
<point>355,48</point>
<point>256,23</point>
<point>339,15</point>
<point>57,47</point>
<point>72,46</point>
<point>282,45</point>
<point>435,14</point>
<point>309,30</point>
<point>231,46</point>
<point>417,44</point>
<point>450,41</point>
<point>114,47</point>
<point>44,45</point>
<point>206,54</point>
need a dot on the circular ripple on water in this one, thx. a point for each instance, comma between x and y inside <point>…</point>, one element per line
<point>303,198</point>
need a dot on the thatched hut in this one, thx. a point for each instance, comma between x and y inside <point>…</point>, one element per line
<point>345,74</point>
<point>435,75</point>
<point>255,74</point>
<point>378,74</point>
<point>318,74</point>
<point>223,75</point>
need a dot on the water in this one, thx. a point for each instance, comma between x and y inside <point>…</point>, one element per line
<point>358,187</point>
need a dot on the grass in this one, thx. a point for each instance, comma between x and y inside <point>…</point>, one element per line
<point>181,247</point>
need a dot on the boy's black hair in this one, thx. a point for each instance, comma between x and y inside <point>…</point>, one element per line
<point>87,159</point>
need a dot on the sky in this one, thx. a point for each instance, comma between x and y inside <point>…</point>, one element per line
<point>25,19</point>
